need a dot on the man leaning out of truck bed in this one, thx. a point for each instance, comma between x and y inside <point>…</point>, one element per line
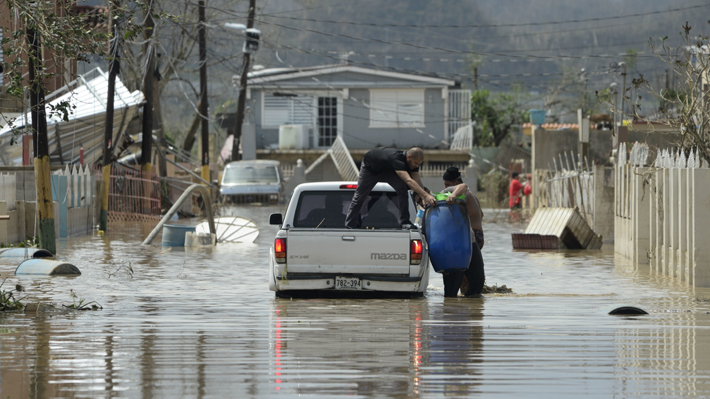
<point>400,169</point>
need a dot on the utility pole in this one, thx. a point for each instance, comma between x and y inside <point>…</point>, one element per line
<point>113,68</point>
<point>242,89</point>
<point>45,206</point>
<point>146,147</point>
<point>203,95</point>
<point>623,89</point>
<point>666,102</point>
<point>475,78</point>
<point>616,111</point>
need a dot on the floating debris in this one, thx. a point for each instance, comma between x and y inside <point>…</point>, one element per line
<point>503,289</point>
<point>627,310</point>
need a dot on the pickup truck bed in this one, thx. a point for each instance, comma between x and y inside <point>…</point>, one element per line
<point>313,253</point>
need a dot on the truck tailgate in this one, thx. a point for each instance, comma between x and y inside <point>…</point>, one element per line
<point>348,251</point>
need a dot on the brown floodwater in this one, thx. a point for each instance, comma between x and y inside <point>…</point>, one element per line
<point>204,324</point>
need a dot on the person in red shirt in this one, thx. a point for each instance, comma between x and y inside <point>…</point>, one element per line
<point>515,192</point>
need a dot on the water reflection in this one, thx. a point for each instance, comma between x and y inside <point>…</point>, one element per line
<point>203,324</point>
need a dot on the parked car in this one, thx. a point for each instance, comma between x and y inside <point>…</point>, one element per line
<point>313,251</point>
<point>251,181</point>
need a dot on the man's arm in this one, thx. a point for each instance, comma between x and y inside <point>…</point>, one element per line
<point>415,176</point>
<point>416,186</point>
<point>458,190</point>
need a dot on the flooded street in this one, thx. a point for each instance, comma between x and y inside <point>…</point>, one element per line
<point>204,324</point>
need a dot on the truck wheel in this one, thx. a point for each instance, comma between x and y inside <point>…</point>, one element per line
<point>452,283</point>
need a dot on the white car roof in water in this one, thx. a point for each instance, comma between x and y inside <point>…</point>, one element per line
<point>335,186</point>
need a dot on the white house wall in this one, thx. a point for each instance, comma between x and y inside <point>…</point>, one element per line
<point>355,117</point>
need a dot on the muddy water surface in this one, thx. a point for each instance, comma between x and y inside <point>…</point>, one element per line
<point>203,324</point>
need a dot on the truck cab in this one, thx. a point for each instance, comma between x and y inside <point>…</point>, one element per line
<point>313,251</point>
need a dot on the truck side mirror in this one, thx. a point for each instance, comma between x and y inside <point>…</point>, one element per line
<point>276,218</point>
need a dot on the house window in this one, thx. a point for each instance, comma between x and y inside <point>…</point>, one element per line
<point>291,110</point>
<point>396,108</point>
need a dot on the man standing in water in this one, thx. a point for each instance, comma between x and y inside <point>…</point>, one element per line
<point>471,281</point>
<point>400,169</point>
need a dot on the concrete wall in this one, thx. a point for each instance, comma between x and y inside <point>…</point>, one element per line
<point>22,222</point>
<point>604,203</point>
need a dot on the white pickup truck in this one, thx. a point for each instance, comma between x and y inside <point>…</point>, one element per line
<point>313,251</point>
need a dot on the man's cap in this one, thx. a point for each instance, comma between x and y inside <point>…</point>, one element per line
<point>452,173</point>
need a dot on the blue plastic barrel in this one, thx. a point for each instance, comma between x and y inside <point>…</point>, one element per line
<point>537,116</point>
<point>22,252</point>
<point>174,234</point>
<point>448,235</point>
<point>46,268</point>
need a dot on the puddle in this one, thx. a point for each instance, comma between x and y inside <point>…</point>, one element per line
<point>202,323</point>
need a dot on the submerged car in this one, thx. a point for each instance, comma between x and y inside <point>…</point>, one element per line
<point>251,181</point>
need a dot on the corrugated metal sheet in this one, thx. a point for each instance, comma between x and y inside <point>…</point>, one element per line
<point>85,126</point>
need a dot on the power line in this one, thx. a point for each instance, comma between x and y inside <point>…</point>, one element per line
<point>492,25</point>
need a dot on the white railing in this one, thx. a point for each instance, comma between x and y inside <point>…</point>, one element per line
<point>437,170</point>
<point>287,169</point>
<point>459,110</point>
<point>463,139</point>
<point>341,158</point>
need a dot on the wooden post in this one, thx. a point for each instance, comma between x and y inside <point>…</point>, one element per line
<point>45,206</point>
<point>146,148</point>
<point>113,68</point>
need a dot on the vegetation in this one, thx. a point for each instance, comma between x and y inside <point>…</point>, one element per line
<point>8,302</point>
<point>685,107</point>
<point>496,116</point>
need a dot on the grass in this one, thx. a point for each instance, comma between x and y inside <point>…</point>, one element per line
<point>82,304</point>
<point>8,302</point>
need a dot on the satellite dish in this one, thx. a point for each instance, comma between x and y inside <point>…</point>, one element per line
<point>231,229</point>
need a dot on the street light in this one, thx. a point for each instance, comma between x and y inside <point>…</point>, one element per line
<point>616,128</point>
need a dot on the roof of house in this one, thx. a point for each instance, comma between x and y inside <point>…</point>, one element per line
<point>272,75</point>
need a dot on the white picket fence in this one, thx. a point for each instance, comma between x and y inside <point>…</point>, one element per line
<point>570,186</point>
<point>73,190</point>
<point>661,212</point>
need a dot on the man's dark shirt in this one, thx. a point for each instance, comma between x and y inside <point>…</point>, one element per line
<point>383,159</point>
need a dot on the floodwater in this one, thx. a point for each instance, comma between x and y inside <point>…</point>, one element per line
<point>204,324</point>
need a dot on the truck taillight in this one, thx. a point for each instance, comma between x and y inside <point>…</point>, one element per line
<point>415,252</point>
<point>280,250</point>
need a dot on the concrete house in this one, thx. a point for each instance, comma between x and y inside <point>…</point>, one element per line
<point>366,107</point>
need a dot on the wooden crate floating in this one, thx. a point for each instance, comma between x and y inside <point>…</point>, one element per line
<point>535,241</point>
<point>570,228</point>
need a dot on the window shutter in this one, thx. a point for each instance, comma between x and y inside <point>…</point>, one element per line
<point>276,111</point>
<point>287,110</point>
<point>396,108</point>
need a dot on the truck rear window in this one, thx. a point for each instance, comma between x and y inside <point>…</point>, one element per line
<point>327,209</point>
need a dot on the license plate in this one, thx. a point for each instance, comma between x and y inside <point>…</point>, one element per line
<point>348,283</point>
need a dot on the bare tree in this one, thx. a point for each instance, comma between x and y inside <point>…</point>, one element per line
<point>686,106</point>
